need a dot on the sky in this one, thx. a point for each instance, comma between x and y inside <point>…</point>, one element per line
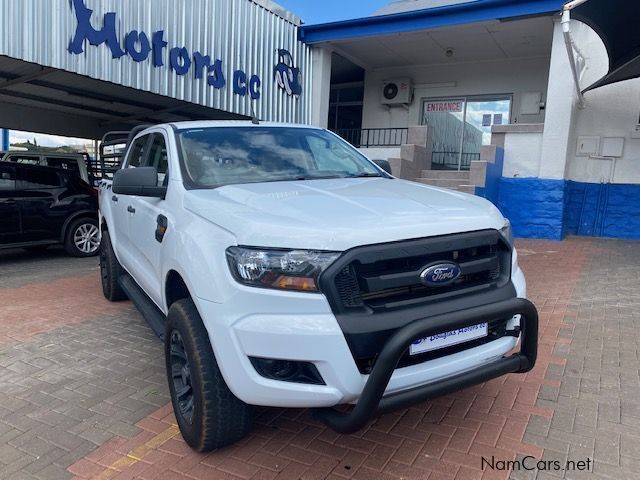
<point>44,140</point>
<point>322,11</point>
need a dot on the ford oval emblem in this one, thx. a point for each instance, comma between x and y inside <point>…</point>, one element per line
<point>441,274</point>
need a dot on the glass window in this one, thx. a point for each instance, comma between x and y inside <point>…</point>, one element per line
<point>24,159</point>
<point>61,162</point>
<point>137,152</point>
<point>37,178</point>
<point>461,126</point>
<point>7,179</point>
<point>158,157</point>
<point>214,157</point>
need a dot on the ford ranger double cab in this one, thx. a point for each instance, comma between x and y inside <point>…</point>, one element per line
<point>283,268</point>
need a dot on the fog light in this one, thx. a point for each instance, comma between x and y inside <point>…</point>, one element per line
<point>287,370</point>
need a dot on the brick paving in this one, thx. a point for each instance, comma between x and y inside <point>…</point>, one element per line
<point>83,393</point>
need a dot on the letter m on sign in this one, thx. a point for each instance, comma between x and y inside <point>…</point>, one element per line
<point>85,31</point>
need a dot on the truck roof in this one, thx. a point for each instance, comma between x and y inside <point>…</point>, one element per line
<point>235,123</point>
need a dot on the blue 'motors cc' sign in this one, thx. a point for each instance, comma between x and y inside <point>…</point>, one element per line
<point>139,46</point>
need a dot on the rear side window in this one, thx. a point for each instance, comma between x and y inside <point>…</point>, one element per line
<point>137,152</point>
<point>7,179</point>
<point>63,163</point>
<point>36,179</point>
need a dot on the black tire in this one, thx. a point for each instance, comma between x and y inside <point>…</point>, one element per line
<point>110,271</point>
<point>216,417</point>
<point>82,238</point>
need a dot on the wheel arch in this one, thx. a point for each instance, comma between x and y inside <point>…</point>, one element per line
<point>175,288</point>
<point>91,214</point>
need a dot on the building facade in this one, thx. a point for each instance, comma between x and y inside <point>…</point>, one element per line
<point>489,82</point>
<point>556,164</point>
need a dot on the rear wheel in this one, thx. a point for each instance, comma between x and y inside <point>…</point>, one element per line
<point>83,238</point>
<point>209,415</point>
<point>110,271</point>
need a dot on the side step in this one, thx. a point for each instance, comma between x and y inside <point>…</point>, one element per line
<point>151,313</point>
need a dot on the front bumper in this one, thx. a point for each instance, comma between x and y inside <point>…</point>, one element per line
<point>302,327</point>
<point>373,400</point>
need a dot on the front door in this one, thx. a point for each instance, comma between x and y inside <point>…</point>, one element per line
<point>122,206</point>
<point>42,215</point>
<point>9,207</point>
<point>461,126</point>
<point>143,224</point>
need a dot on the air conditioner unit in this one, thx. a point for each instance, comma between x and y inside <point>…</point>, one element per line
<point>397,92</point>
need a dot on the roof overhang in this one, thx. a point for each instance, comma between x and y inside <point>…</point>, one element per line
<point>470,12</point>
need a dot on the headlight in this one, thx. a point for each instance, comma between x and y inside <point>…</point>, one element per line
<point>507,232</point>
<point>282,269</point>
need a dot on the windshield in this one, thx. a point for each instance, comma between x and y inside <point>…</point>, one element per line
<point>218,156</point>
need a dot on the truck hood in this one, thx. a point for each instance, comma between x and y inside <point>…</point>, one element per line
<point>339,214</point>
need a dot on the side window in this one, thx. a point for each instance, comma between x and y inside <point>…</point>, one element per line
<point>64,163</point>
<point>37,179</point>
<point>24,159</point>
<point>7,179</point>
<point>158,158</point>
<point>137,152</point>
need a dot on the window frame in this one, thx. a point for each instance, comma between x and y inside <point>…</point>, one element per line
<point>145,152</point>
<point>11,169</point>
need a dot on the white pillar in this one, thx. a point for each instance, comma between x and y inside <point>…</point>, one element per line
<point>560,110</point>
<point>321,86</point>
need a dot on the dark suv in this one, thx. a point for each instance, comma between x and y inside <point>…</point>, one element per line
<point>42,206</point>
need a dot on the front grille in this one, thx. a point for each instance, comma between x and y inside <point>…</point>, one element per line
<point>375,290</point>
<point>392,280</point>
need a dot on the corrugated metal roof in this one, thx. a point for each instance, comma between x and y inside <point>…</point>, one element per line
<point>244,34</point>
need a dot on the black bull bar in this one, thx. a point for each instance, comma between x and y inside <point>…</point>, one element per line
<point>372,401</point>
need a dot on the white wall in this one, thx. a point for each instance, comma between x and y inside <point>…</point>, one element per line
<point>381,153</point>
<point>471,78</point>
<point>610,111</point>
<point>522,153</point>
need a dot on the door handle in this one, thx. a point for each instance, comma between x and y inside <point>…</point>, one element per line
<point>130,209</point>
<point>10,201</point>
<point>114,198</point>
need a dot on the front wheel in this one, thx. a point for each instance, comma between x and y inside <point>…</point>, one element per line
<point>83,238</point>
<point>209,415</point>
<point>110,271</point>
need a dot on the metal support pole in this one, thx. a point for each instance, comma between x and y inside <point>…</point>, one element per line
<point>4,144</point>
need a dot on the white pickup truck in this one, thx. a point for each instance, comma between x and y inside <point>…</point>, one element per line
<point>283,268</point>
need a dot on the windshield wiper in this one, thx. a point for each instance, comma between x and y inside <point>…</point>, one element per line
<point>312,177</point>
<point>364,175</point>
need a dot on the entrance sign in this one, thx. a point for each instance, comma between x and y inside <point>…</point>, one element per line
<point>449,106</point>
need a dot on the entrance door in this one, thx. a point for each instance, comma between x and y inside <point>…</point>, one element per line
<point>461,126</point>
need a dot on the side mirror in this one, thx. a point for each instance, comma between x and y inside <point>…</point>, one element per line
<point>384,165</point>
<point>142,181</point>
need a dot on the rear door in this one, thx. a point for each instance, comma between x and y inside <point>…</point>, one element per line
<point>42,207</point>
<point>9,206</point>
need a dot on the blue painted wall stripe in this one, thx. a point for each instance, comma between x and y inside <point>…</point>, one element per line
<point>552,209</point>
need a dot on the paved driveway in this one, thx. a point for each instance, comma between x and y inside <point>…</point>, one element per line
<point>83,393</point>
